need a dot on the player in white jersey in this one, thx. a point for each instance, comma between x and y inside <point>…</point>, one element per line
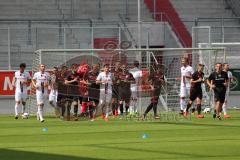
<point>105,80</point>
<point>20,80</point>
<point>41,81</point>
<point>186,74</point>
<point>230,77</point>
<point>137,75</point>
<point>54,91</point>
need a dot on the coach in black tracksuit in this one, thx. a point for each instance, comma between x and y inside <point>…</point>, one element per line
<point>217,82</point>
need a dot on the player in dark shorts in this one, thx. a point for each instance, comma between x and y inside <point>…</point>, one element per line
<point>125,80</point>
<point>157,80</point>
<point>217,82</point>
<point>196,91</point>
<point>93,90</point>
<point>115,95</point>
<point>62,90</point>
<point>72,83</point>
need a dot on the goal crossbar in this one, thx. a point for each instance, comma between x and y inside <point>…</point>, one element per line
<point>142,49</point>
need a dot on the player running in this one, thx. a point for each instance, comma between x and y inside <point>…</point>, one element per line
<point>218,81</point>
<point>54,90</point>
<point>41,81</point>
<point>20,81</point>
<point>230,77</point>
<point>137,74</point>
<point>186,75</point>
<point>124,88</point>
<point>157,79</point>
<point>196,91</point>
<point>115,96</point>
<point>105,80</point>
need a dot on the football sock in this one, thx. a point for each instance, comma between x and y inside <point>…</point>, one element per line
<point>199,108</point>
<point>17,106</point>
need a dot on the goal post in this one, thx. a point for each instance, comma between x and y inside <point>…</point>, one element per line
<point>170,58</point>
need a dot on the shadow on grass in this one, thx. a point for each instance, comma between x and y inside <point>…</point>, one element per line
<point>195,124</point>
<point>7,154</point>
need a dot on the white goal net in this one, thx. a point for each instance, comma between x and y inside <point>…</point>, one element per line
<point>169,58</point>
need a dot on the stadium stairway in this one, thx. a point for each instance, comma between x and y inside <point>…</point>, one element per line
<point>165,6</point>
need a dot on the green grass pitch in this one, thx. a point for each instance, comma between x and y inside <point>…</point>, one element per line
<point>120,139</point>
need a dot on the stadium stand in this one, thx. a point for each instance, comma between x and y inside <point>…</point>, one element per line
<point>172,17</point>
<point>212,13</point>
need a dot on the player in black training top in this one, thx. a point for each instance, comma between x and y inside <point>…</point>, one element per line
<point>196,90</point>
<point>217,82</point>
<point>72,84</point>
<point>157,80</point>
<point>124,88</point>
<point>115,94</point>
<point>93,90</point>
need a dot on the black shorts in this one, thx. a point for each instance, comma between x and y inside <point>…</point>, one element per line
<point>60,97</point>
<point>74,98</point>
<point>96,101</point>
<point>156,92</point>
<point>195,93</point>
<point>219,94</point>
<point>115,93</point>
<point>85,99</point>
<point>125,95</point>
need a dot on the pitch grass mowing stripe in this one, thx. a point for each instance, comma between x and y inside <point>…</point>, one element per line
<point>120,139</point>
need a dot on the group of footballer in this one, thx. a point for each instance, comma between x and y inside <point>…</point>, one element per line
<point>191,87</point>
<point>114,89</point>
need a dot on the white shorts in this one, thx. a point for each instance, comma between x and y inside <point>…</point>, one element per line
<point>53,95</point>
<point>134,91</point>
<point>41,97</point>
<point>184,91</point>
<point>19,96</point>
<point>105,98</point>
<point>227,95</point>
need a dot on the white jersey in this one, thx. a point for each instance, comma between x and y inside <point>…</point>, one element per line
<point>107,87</point>
<point>137,75</point>
<point>41,80</point>
<point>186,71</point>
<point>230,77</point>
<point>20,78</point>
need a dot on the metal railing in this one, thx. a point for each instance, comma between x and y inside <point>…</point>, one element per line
<point>222,29</point>
<point>127,31</point>
<point>33,34</point>
<point>234,5</point>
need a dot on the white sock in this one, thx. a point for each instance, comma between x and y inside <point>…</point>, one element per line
<point>224,107</point>
<point>135,107</point>
<point>17,106</point>
<point>131,109</point>
<point>107,110</point>
<point>40,112</point>
<point>23,108</point>
<point>182,104</point>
